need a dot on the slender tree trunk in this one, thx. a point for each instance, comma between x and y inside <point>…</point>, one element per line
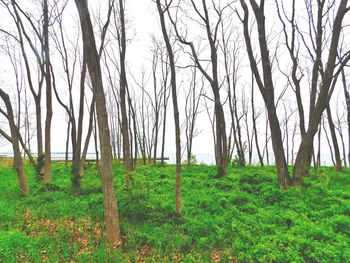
<point>123,84</point>
<point>77,132</point>
<point>88,136</point>
<point>338,164</point>
<point>165,104</point>
<point>255,132</point>
<point>39,137</point>
<point>175,106</point>
<point>97,153</point>
<point>347,101</point>
<point>47,161</point>
<point>328,142</point>
<point>67,143</point>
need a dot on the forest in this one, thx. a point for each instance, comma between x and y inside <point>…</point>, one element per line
<point>107,106</point>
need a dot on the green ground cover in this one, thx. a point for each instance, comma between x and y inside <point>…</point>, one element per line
<point>243,217</point>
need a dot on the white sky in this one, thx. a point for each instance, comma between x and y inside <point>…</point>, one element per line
<point>143,22</point>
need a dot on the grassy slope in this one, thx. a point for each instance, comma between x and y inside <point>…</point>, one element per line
<point>242,217</point>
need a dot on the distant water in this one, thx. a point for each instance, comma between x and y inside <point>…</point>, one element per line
<point>204,158</point>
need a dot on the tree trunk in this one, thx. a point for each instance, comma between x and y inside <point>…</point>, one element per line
<point>123,84</point>
<point>18,163</point>
<point>106,170</point>
<point>67,144</point>
<point>39,136</point>
<point>47,161</point>
<point>176,110</point>
<point>266,87</point>
<point>347,101</point>
<point>338,164</point>
<point>88,136</point>
<point>284,179</point>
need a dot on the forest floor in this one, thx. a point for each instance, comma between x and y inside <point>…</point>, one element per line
<point>242,217</point>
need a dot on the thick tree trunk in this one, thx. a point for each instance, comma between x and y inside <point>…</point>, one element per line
<point>303,158</point>
<point>221,140</point>
<point>106,170</point>
<point>284,179</point>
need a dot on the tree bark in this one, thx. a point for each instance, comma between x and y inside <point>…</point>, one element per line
<point>123,84</point>
<point>106,170</point>
<point>175,107</point>
<point>266,88</point>
<point>18,163</point>
<point>47,160</point>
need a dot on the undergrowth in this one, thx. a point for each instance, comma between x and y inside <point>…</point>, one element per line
<point>243,217</point>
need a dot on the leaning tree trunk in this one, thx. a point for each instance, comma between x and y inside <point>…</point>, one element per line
<point>106,170</point>
<point>266,87</point>
<point>18,163</point>
<point>304,155</point>
<point>284,179</point>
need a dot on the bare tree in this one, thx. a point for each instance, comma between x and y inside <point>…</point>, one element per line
<point>166,94</point>
<point>75,120</point>
<point>323,53</point>
<point>192,99</point>
<point>213,77</point>
<point>47,75</point>
<point>106,170</point>
<point>266,86</point>
<point>161,11</point>
<point>156,98</point>
<point>23,38</point>
<point>14,139</point>
<point>123,100</point>
<point>232,65</point>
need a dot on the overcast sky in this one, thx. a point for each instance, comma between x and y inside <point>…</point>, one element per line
<point>142,24</point>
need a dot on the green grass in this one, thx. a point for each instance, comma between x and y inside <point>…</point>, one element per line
<point>243,217</point>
